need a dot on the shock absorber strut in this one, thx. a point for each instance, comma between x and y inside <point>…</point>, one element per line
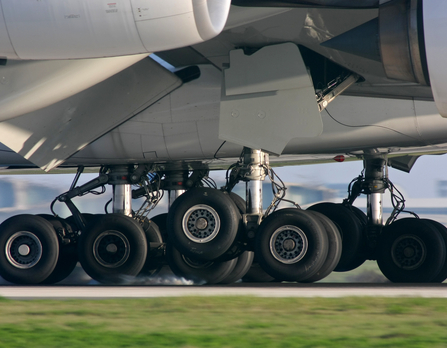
<point>253,173</point>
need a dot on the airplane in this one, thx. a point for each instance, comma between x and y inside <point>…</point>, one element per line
<point>252,85</point>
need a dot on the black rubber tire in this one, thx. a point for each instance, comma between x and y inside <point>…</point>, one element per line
<point>199,271</point>
<point>38,230</point>
<point>352,234</point>
<point>244,262</point>
<point>304,227</point>
<point>257,275</point>
<point>442,275</point>
<point>220,238</point>
<point>161,220</point>
<point>239,201</point>
<point>154,262</point>
<point>359,214</point>
<point>98,262</point>
<point>68,254</point>
<point>334,251</point>
<point>424,237</point>
<point>239,245</point>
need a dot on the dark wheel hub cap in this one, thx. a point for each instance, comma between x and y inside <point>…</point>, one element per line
<point>23,250</point>
<point>288,244</point>
<point>111,249</point>
<point>409,252</point>
<point>201,223</point>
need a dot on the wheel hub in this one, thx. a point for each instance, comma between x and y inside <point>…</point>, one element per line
<point>288,244</point>
<point>111,249</point>
<point>409,252</point>
<point>23,250</point>
<point>201,223</point>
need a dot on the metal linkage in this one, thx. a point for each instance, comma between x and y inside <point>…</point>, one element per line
<point>150,189</point>
<point>121,178</point>
<point>374,181</point>
<point>253,167</point>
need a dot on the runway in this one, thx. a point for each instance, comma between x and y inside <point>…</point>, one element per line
<point>260,290</point>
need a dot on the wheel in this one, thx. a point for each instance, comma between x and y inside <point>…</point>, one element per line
<point>442,275</point>
<point>359,214</point>
<point>239,245</point>
<point>334,250</point>
<point>161,221</point>
<point>29,249</point>
<point>243,264</point>
<point>154,259</point>
<point>257,275</point>
<point>352,234</point>
<point>203,223</point>
<point>68,255</point>
<point>291,245</point>
<point>210,272</point>
<point>411,250</point>
<point>112,247</point>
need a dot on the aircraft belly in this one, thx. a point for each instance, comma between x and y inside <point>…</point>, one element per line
<point>48,136</point>
<point>171,129</point>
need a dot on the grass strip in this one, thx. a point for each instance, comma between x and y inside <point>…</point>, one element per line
<point>225,322</point>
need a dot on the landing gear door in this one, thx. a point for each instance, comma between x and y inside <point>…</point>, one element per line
<point>268,99</point>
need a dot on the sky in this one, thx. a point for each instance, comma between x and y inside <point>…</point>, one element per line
<point>419,183</point>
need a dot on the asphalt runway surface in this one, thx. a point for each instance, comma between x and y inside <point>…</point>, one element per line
<point>326,290</point>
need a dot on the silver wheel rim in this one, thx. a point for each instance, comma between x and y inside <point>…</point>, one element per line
<point>288,244</point>
<point>23,250</point>
<point>111,249</point>
<point>201,224</point>
<point>409,252</point>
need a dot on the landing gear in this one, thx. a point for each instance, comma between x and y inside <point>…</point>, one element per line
<point>68,255</point>
<point>29,249</point>
<point>112,247</point>
<point>291,245</point>
<point>203,223</point>
<point>210,272</point>
<point>411,251</point>
<point>352,232</point>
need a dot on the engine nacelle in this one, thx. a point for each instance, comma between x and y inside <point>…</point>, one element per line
<point>409,38</point>
<point>70,29</point>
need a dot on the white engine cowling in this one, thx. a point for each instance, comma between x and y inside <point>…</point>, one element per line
<point>435,30</point>
<point>71,29</point>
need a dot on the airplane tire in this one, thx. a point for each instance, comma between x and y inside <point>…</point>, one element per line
<point>411,251</point>
<point>154,261</point>
<point>29,249</point>
<point>203,223</point>
<point>210,272</point>
<point>442,275</point>
<point>257,275</point>
<point>244,262</point>
<point>352,234</point>
<point>359,214</point>
<point>334,251</point>
<point>291,245</point>
<point>161,221</point>
<point>68,255</point>
<point>112,248</point>
<point>239,245</point>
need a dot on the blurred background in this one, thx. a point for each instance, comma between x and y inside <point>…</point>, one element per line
<point>425,191</point>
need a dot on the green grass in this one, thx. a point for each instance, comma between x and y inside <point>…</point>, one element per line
<point>225,322</point>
